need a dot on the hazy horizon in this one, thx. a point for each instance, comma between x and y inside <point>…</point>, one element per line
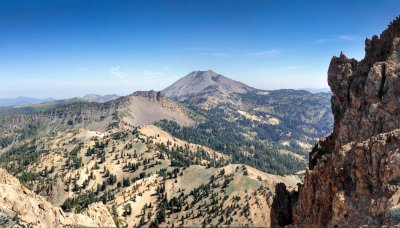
<point>55,97</point>
<point>64,49</point>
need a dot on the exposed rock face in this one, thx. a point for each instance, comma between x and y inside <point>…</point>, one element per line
<point>154,96</point>
<point>19,206</point>
<point>55,192</point>
<point>281,213</point>
<point>354,176</point>
<point>147,107</point>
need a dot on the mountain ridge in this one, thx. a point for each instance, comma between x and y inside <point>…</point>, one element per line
<point>142,107</point>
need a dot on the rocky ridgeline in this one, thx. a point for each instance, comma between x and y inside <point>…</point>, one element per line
<point>145,106</point>
<point>154,96</point>
<point>354,174</point>
<point>19,207</point>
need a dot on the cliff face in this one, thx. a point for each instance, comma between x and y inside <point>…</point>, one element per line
<point>19,207</point>
<point>354,174</point>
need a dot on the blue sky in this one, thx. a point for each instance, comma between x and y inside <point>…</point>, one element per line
<point>70,48</point>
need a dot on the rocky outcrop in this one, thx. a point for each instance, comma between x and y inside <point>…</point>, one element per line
<point>55,192</point>
<point>354,174</point>
<point>155,96</point>
<point>19,206</point>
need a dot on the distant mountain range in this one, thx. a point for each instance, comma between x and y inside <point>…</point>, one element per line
<point>208,87</point>
<point>23,101</point>
<point>317,90</point>
<point>99,98</point>
<point>4,102</point>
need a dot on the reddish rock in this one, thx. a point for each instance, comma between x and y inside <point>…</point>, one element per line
<point>354,174</point>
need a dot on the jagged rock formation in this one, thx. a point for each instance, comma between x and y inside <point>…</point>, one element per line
<point>21,207</point>
<point>152,95</point>
<point>354,174</point>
